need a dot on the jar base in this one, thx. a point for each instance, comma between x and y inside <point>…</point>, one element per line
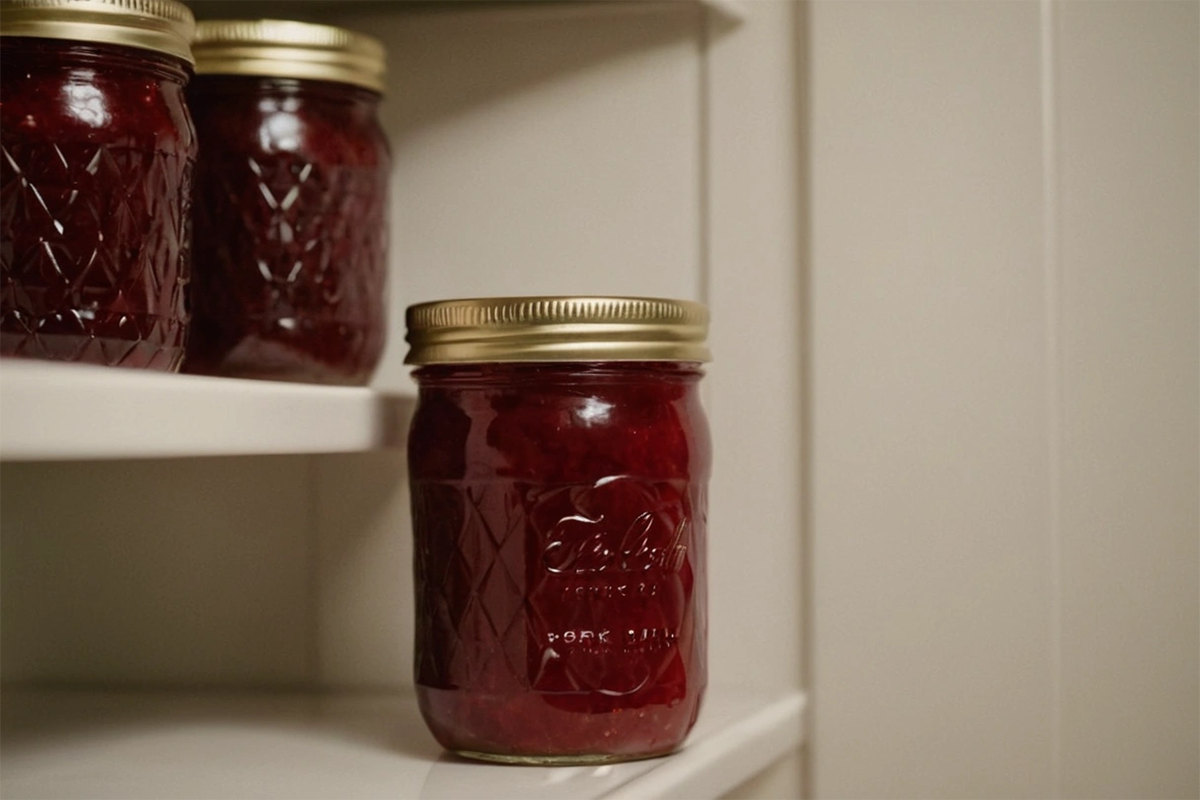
<point>579,760</point>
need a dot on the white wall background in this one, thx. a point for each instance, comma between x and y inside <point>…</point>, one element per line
<point>1004,330</point>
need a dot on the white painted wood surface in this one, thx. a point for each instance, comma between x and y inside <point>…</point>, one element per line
<point>203,745</point>
<point>1004,334</point>
<point>541,150</point>
<point>754,392</point>
<point>185,572</point>
<point>1128,237</point>
<point>76,412</point>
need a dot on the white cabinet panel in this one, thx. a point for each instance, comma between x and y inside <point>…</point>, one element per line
<point>754,383</point>
<point>550,150</point>
<point>781,780</point>
<point>86,744</point>
<point>1129,116</point>
<point>931,580</point>
<point>364,571</point>
<point>135,572</point>
<point>1005,388</point>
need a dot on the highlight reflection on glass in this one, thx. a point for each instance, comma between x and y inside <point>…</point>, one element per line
<point>281,124</point>
<point>595,411</point>
<point>86,103</point>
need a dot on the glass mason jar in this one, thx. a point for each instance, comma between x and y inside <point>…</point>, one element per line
<point>95,180</point>
<point>559,460</point>
<point>291,203</point>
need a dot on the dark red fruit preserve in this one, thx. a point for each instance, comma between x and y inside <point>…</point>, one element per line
<point>559,513</point>
<point>95,182</point>
<point>291,203</point>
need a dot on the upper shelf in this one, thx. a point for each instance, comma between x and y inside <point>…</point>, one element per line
<point>731,10</point>
<point>163,745</point>
<point>70,412</point>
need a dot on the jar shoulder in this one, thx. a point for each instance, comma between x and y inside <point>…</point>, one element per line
<point>71,93</point>
<point>561,433</point>
<point>319,127</point>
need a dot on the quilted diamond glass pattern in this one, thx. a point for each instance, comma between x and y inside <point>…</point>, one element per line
<point>96,158</point>
<point>291,230</point>
<point>507,614</point>
<point>560,558</point>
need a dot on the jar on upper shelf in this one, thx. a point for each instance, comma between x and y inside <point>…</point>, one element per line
<point>559,460</point>
<point>291,203</point>
<point>95,180</point>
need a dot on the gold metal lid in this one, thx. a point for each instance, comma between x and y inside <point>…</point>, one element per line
<point>284,49</point>
<point>556,329</point>
<point>164,26</point>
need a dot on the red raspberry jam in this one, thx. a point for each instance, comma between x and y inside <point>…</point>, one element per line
<point>559,512</point>
<point>95,195</point>
<point>290,216</point>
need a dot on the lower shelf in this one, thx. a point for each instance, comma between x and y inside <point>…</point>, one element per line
<point>265,745</point>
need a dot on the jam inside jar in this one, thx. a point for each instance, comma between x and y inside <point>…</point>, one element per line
<point>95,189</point>
<point>559,515</point>
<point>291,205</point>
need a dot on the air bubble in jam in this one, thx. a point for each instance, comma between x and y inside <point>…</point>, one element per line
<point>560,558</point>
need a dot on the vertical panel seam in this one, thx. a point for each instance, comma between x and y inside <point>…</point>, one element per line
<point>313,666</point>
<point>802,114</point>
<point>1051,263</point>
<point>704,268</point>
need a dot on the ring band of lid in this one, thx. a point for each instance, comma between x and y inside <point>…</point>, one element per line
<point>284,49</point>
<point>164,26</point>
<point>556,329</point>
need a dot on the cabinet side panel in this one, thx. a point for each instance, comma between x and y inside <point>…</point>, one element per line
<point>1129,121</point>
<point>933,577</point>
<point>754,382</point>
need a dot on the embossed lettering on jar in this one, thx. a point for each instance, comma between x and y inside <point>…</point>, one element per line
<point>95,181</point>
<point>559,460</point>
<point>291,203</point>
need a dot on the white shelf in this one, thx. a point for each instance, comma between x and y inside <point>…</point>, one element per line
<point>65,411</point>
<point>267,745</point>
<point>731,10</point>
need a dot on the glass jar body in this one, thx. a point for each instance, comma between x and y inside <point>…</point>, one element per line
<point>291,227</point>
<point>559,516</point>
<point>95,195</point>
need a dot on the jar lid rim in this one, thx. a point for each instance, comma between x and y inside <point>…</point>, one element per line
<point>164,26</point>
<point>289,49</point>
<point>557,328</point>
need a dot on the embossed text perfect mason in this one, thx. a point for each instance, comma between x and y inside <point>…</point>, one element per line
<point>559,461</point>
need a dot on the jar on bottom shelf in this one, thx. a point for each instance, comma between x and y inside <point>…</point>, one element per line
<point>559,491</point>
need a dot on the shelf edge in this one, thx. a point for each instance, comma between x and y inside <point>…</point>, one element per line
<point>718,763</point>
<point>54,412</point>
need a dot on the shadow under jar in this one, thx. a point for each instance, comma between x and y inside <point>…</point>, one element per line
<point>559,459</point>
<point>291,203</point>
<point>95,181</point>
